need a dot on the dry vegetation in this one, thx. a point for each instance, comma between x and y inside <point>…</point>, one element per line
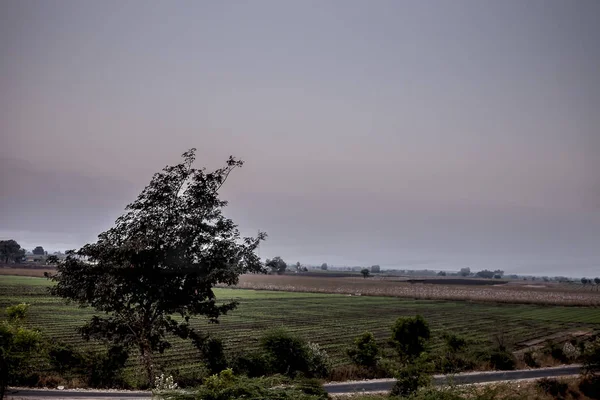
<point>512,292</point>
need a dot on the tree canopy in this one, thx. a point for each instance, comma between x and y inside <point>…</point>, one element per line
<point>277,265</point>
<point>162,258</point>
<point>11,251</point>
<point>410,335</point>
<point>39,251</point>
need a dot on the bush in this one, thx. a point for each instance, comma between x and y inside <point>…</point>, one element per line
<point>410,335</point>
<point>365,351</point>
<point>252,364</point>
<point>591,357</point>
<point>213,353</point>
<point>410,378</point>
<point>106,369</point>
<point>502,360</point>
<point>553,387</point>
<point>288,354</point>
<point>319,363</point>
<point>65,360</point>
<point>285,353</point>
<point>556,352</point>
<point>227,386</point>
<point>529,359</point>
<point>17,345</point>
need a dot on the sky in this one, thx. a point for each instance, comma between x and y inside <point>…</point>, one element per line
<point>410,134</point>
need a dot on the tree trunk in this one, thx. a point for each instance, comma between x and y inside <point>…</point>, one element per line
<point>148,362</point>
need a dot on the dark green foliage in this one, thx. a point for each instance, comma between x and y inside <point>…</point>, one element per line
<point>502,360</point>
<point>39,251</point>
<point>277,265</point>
<point>365,272</point>
<point>251,364</point>
<point>100,369</point>
<point>213,353</point>
<point>553,387</point>
<point>65,360</point>
<point>162,257</point>
<point>105,369</point>
<point>454,343</point>
<point>455,358</point>
<point>52,260</point>
<point>11,251</point>
<point>485,274</point>
<point>17,345</point>
<point>410,335</point>
<point>411,377</point>
<point>365,351</point>
<point>227,386</point>
<point>285,353</point>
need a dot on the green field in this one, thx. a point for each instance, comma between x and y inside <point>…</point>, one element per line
<point>328,319</point>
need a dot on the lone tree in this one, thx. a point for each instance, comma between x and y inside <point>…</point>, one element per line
<point>365,272</point>
<point>162,257</point>
<point>39,251</point>
<point>277,265</point>
<point>11,251</point>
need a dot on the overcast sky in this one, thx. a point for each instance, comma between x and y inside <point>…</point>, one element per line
<point>414,134</point>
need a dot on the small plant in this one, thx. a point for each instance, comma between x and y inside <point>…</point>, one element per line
<point>163,382</point>
<point>529,359</point>
<point>570,351</point>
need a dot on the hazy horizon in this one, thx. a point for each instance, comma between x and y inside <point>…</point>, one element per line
<point>435,134</point>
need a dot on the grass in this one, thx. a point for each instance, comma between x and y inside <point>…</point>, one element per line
<point>332,320</point>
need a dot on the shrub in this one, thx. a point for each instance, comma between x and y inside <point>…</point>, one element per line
<point>17,345</point>
<point>365,351</point>
<point>319,363</point>
<point>410,335</point>
<point>591,357</point>
<point>411,377</point>
<point>213,353</point>
<point>106,369</point>
<point>285,353</point>
<point>502,360</point>
<point>227,386</point>
<point>529,359</point>
<point>251,364</point>
<point>65,360</point>
<point>553,387</point>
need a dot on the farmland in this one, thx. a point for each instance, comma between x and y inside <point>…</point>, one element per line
<point>471,289</point>
<point>332,320</point>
